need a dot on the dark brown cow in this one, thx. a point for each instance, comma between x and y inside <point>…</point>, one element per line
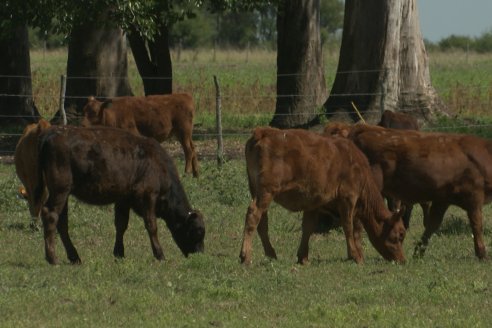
<point>397,120</point>
<point>158,117</point>
<point>304,171</point>
<point>103,165</point>
<point>442,168</point>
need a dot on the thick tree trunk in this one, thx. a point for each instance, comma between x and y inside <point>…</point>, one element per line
<point>16,101</point>
<point>301,87</point>
<point>153,60</point>
<point>97,66</point>
<point>383,63</point>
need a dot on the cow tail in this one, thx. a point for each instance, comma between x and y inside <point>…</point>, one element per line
<point>40,193</point>
<point>251,153</point>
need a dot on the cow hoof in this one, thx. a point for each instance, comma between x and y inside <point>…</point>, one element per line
<point>52,261</point>
<point>419,250</point>
<point>303,261</point>
<point>245,260</point>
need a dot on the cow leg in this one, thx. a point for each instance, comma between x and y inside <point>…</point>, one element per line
<point>265,240</point>
<point>191,162</point>
<point>121,218</point>
<point>347,216</point>
<point>432,222</point>
<point>309,224</point>
<point>476,223</point>
<point>50,216</point>
<point>62,227</point>
<point>253,216</point>
<point>194,160</point>
<point>151,226</point>
<point>358,238</point>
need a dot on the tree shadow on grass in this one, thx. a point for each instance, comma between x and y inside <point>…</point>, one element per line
<point>455,225</point>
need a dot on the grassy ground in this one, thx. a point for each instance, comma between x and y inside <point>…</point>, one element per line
<point>446,288</point>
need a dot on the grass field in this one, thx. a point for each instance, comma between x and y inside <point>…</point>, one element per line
<point>448,287</point>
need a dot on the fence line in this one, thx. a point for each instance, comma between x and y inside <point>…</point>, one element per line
<point>306,110</point>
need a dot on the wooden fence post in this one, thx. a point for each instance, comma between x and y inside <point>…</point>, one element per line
<point>218,120</point>
<point>63,87</point>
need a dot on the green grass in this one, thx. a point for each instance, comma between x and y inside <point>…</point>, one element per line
<point>448,287</point>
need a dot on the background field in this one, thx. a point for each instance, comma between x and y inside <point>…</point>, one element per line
<point>448,287</point>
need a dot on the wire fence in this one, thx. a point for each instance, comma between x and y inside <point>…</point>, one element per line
<point>265,100</point>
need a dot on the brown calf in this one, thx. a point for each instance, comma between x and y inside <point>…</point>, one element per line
<point>158,117</point>
<point>397,120</point>
<point>402,121</point>
<point>304,171</point>
<point>102,166</point>
<point>417,167</point>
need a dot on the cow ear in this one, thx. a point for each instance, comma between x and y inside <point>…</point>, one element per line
<point>398,214</point>
<point>43,125</point>
<point>91,98</point>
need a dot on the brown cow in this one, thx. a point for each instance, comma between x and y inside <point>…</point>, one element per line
<point>397,120</point>
<point>304,171</point>
<point>442,168</point>
<point>26,159</point>
<point>101,166</point>
<point>157,116</point>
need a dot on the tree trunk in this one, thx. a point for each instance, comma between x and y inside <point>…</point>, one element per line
<point>301,87</point>
<point>153,60</point>
<point>97,66</point>
<point>16,101</point>
<point>383,63</point>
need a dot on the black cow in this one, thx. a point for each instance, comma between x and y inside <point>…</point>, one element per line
<point>102,166</point>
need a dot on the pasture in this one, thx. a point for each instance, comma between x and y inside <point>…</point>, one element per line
<point>448,287</point>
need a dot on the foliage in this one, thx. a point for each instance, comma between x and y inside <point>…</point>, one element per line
<point>482,44</point>
<point>331,19</point>
<point>194,23</point>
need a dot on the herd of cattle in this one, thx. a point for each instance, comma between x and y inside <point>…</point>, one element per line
<point>115,157</point>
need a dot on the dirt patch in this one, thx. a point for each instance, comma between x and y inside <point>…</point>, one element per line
<point>207,149</point>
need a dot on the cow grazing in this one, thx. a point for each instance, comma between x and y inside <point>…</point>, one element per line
<point>26,160</point>
<point>304,171</point>
<point>157,116</point>
<point>397,120</point>
<point>102,165</point>
<point>417,167</point>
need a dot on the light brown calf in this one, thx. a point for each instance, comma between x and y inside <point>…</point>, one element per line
<point>158,117</point>
<point>304,171</point>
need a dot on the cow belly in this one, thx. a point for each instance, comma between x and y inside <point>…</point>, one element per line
<point>100,193</point>
<point>296,201</point>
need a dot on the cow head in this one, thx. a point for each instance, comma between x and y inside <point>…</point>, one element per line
<point>390,245</point>
<point>189,235</point>
<point>91,112</point>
